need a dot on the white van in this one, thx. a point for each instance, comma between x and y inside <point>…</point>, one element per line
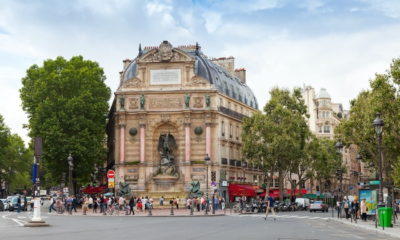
<point>303,203</point>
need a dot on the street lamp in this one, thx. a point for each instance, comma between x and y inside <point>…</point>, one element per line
<point>207,160</point>
<point>378,125</point>
<point>71,168</point>
<point>339,171</point>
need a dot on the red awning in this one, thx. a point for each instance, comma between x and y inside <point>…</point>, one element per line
<point>241,190</point>
<point>94,190</point>
<point>298,191</point>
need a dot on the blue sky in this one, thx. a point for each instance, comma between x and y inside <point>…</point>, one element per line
<point>337,44</point>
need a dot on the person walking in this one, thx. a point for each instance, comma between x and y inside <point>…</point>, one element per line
<point>19,204</point>
<point>270,206</point>
<point>162,201</point>
<point>364,210</point>
<point>95,204</point>
<point>74,203</point>
<point>52,202</point>
<point>346,206</point>
<point>69,204</point>
<point>131,206</point>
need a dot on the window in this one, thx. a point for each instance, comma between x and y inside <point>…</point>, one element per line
<point>327,129</point>
<point>221,102</point>
<point>230,130</point>
<point>222,128</point>
<point>320,129</point>
<point>237,133</point>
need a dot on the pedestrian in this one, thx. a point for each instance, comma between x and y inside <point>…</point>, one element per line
<point>139,204</point>
<point>95,204</point>
<point>222,203</point>
<point>131,206</point>
<point>346,206</point>
<point>176,203</point>
<point>52,202</point>
<point>162,201</point>
<point>355,207</point>
<point>364,210</point>
<point>19,204</point>
<point>104,204</point>
<point>90,205</point>
<point>270,206</point>
<point>74,203</point>
<point>69,204</point>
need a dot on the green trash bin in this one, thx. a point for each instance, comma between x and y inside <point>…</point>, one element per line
<point>385,216</point>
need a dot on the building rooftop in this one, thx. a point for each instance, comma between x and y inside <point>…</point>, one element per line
<point>225,82</point>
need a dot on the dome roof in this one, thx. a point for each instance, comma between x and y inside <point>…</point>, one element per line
<point>224,81</point>
<point>323,94</point>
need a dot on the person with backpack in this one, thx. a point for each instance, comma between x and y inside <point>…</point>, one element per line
<point>131,206</point>
<point>52,202</point>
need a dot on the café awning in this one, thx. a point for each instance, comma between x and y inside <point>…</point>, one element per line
<point>241,190</point>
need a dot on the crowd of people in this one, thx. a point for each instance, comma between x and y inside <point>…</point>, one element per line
<point>109,205</point>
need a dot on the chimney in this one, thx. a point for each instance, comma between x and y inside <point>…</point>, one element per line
<point>228,63</point>
<point>126,62</point>
<point>241,74</point>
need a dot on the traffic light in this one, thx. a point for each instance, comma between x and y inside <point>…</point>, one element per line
<point>213,176</point>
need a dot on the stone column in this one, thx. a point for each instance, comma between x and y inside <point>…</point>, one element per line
<point>142,142</point>
<point>187,142</point>
<point>208,139</point>
<point>121,143</point>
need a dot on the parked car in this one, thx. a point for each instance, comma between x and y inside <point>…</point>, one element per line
<point>303,203</point>
<point>318,206</point>
<point>13,201</point>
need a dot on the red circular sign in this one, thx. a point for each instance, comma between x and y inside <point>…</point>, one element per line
<point>110,174</point>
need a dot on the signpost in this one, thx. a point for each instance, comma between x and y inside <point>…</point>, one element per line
<point>111,178</point>
<point>374,182</point>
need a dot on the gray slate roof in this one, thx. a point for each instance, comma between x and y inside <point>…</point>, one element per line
<point>224,81</point>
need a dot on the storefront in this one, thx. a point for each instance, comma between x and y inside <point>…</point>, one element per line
<point>237,191</point>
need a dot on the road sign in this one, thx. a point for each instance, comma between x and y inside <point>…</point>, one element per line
<point>374,182</point>
<point>110,174</point>
<point>111,185</point>
<point>111,180</point>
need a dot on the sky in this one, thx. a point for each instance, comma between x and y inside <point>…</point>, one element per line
<point>338,44</point>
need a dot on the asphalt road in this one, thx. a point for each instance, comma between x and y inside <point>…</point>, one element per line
<point>288,226</point>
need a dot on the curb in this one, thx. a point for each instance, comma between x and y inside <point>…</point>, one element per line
<point>140,216</point>
<point>375,230</point>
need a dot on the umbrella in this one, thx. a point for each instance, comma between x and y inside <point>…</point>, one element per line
<point>108,194</point>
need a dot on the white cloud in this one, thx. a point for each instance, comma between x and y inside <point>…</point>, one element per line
<point>213,21</point>
<point>390,8</point>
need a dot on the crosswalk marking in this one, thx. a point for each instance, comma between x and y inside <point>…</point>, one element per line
<point>281,216</point>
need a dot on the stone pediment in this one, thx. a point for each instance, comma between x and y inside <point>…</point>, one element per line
<point>132,83</point>
<point>166,53</point>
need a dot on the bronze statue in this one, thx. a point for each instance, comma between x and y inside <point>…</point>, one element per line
<point>208,100</point>
<point>122,102</point>
<point>124,189</point>
<point>142,101</point>
<point>166,146</point>
<point>187,100</point>
<point>195,190</point>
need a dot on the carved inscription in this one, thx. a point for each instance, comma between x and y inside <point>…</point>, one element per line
<point>165,103</point>
<point>199,170</point>
<point>165,76</point>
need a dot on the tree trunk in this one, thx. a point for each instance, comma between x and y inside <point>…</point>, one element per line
<point>280,177</point>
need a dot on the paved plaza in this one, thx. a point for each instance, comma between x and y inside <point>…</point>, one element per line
<point>288,225</point>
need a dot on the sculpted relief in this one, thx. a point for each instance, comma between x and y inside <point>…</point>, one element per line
<point>133,103</point>
<point>132,83</point>
<point>159,103</point>
<point>166,53</point>
<point>198,102</point>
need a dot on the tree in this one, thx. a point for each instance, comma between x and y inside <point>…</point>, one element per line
<point>15,160</point>
<point>383,97</point>
<point>277,138</point>
<point>67,104</point>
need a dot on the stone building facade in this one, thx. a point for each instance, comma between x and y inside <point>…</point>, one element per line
<point>325,116</point>
<point>173,107</point>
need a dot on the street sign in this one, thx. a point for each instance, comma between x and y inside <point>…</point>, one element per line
<point>111,180</point>
<point>111,185</point>
<point>213,184</point>
<point>374,182</point>
<point>110,174</point>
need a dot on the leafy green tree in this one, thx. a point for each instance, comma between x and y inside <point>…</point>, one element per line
<point>276,139</point>
<point>383,97</point>
<point>15,161</point>
<point>67,104</point>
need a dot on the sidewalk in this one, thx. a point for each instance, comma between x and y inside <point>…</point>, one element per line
<point>182,212</point>
<point>370,226</point>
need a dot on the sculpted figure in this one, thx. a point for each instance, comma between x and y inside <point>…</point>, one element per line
<point>122,102</point>
<point>142,101</point>
<point>187,100</point>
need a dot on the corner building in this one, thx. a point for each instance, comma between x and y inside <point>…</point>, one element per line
<point>198,103</point>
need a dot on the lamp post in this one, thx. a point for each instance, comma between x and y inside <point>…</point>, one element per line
<point>339,171</point>
<point>70,168</point>
<point>207,160</point>
<point>378,125</point>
